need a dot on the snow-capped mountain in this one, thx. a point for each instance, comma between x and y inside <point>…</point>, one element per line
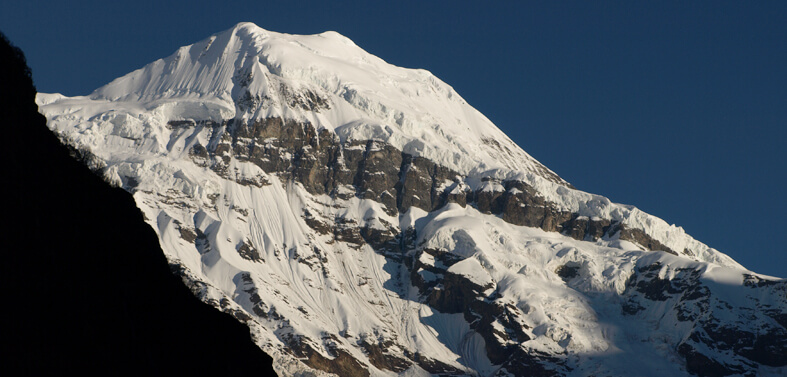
<point>363,219</point>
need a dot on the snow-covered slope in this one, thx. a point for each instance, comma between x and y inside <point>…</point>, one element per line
<point>362,218</point>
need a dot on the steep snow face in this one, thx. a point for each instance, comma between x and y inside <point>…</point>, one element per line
<point>362,219</point>
<point>249,73</point>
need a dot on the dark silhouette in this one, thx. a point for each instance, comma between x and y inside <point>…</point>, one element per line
<point>85,285</point>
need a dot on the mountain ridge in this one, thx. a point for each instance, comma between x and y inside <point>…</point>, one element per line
<point>289,193</point>
<point>496,148</point>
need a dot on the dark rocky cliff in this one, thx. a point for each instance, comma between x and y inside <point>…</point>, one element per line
<point>86,286</point>
<point>372,169</point>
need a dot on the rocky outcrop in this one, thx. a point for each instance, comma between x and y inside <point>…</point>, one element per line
<point>712,334</point>
<point>500,324</point>
<point>339,362</point>
<point>379,356</point>
<point>372,169</point>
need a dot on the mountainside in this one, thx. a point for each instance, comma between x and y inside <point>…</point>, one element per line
<point>363,219</point>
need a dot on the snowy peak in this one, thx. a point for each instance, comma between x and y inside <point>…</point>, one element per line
<point>249,73</point>
<point>243,56</point>
<point>363,219</point>
<point>204,68</point>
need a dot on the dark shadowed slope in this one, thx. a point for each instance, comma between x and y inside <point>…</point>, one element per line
<point>66,309</point>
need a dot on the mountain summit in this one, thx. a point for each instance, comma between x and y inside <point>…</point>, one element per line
<point>363,219</point>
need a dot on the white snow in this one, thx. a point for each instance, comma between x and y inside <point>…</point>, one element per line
<point>321,286</point>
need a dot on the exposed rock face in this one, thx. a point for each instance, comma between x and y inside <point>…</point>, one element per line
<point>374,170</point>
<point>692,302</point>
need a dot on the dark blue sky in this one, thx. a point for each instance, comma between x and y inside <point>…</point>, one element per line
<point>679,108</point>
